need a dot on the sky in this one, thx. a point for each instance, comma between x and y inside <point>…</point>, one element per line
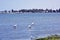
<point>29,4</point>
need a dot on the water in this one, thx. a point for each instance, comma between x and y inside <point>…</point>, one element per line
<point>44,24</point>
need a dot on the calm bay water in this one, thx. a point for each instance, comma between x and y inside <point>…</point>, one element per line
<point>44,24</point>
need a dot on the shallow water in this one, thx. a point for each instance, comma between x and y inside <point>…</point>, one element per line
<point>44,24</point>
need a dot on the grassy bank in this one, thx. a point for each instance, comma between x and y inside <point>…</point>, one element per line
<point>52,37</point>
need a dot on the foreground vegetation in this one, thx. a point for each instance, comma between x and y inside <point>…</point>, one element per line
<point>53,37</point>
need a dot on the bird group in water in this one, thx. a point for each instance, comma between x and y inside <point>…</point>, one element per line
<point>29,26</point>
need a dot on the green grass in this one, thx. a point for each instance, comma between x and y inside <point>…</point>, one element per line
<point>53,37</point>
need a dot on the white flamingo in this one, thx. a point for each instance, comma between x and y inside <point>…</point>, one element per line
<point>29,26</point>
<point>14,26</point>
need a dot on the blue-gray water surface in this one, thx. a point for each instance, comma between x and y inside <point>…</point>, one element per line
<point>44,24</point>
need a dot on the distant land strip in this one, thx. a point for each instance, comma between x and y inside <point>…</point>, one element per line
<point>31,10</point>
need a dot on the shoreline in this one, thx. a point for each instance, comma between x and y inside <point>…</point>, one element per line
<point>31,11</point>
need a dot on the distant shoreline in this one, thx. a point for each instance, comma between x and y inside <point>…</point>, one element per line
<point>32,11</point>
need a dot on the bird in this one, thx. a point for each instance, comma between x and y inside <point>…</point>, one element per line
<point>14,26</point>
<point>32,23</point>
<point>29,26</point>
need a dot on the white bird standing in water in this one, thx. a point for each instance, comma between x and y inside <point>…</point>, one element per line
<point>15,26</point>
<point>32,23</point>
<point>29,26</point>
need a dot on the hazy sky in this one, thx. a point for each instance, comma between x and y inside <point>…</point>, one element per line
<point>29,4</point>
